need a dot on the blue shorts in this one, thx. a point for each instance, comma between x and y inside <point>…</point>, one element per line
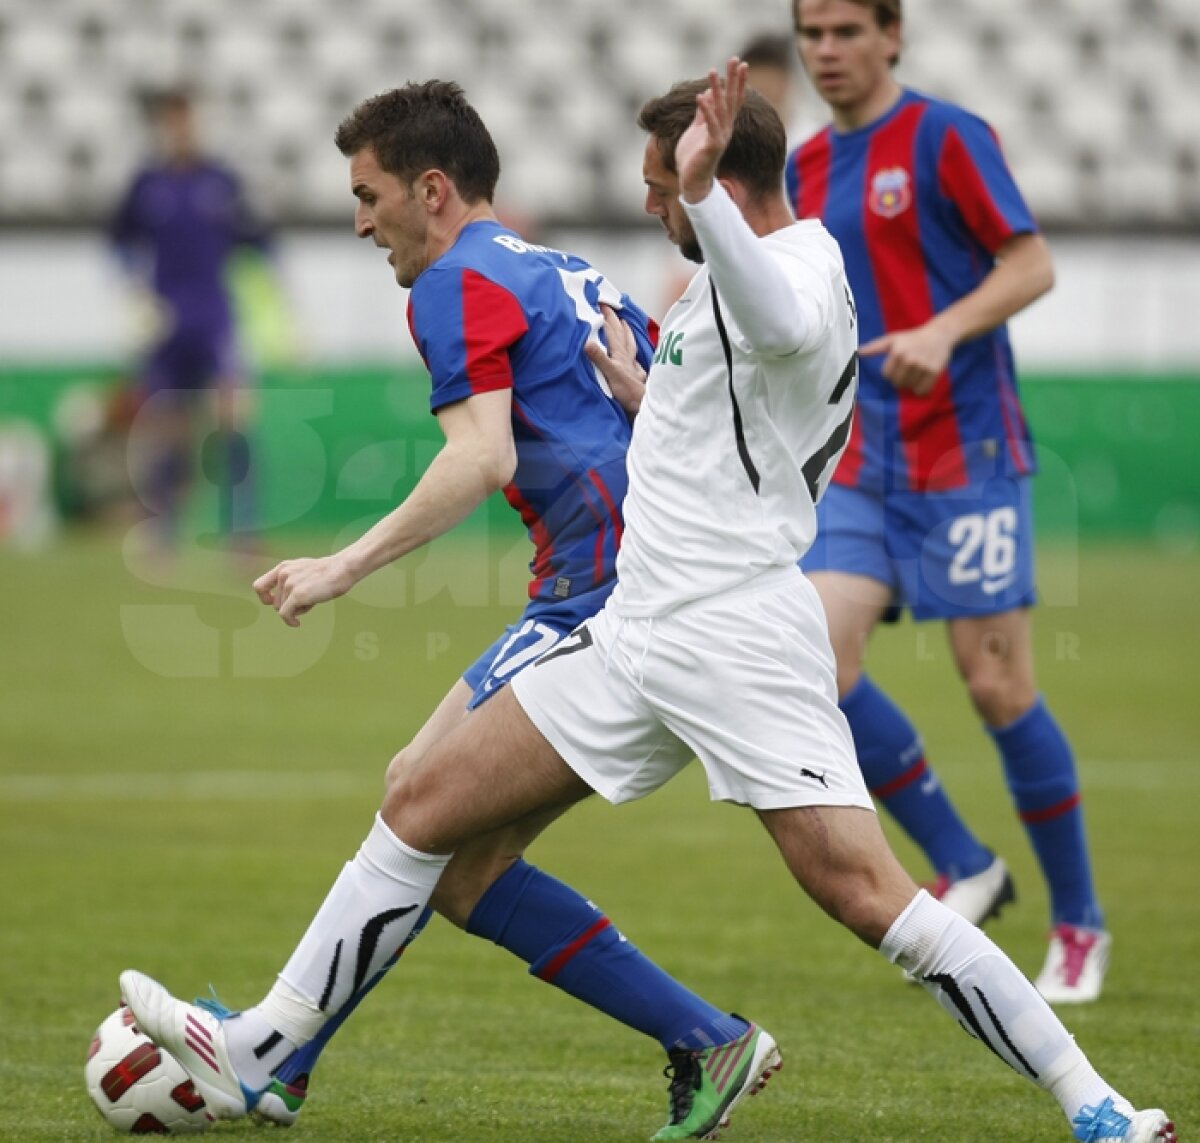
<point>944,555</point>
<point>192,360</point>
<point>538,629</point>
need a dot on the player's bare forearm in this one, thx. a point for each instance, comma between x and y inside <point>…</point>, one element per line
<point>1024,271</point>
<point>478,459</point>
<point>453,486</point>
<point>915,358</point>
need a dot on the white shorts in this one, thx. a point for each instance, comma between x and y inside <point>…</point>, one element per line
<point>745,682</point>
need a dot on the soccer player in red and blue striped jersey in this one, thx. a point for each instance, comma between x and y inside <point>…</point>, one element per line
<point>930,506</point>
<point>498,315</point>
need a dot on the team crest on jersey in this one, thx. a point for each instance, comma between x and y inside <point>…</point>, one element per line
<point>891,192</point>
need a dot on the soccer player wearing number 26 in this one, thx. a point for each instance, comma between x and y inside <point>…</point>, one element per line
<point>712,646</point>
<point>930,507</point>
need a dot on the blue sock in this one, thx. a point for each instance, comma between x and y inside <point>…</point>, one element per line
<point>892,759</point>
<point>568,942</point>
<point>235,479</point>
<point>300,1064</point>
<point>1040,769</point>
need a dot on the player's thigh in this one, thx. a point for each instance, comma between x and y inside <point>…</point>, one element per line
<point>851,567</point>
<point>517,646</point>
<point>840,857</point>
<point>994,656</point>
<point>853,605</point>
<point>586,698</point>
<point>446,716</point>
<point>491,770</point>
<point>164,419</point>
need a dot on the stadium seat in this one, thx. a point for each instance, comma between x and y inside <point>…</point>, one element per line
<point>1058,79</point>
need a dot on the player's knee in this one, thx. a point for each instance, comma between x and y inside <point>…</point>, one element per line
<point>421,812</point>
<point>400,765</point>
<point>405,802</point>
<point>999,698</point>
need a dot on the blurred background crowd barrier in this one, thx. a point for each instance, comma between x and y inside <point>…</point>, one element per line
<point>1097,103</point>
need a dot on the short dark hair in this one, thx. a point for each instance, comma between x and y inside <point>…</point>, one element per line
<point>770,49</point>
<point>757,152</point>
<point>421,126</point>
<point>887,12</point>
<point>157,101</point>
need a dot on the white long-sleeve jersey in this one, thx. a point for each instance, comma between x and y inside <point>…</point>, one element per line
<point>747,409</point>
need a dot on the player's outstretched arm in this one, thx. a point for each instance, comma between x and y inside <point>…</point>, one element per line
<point>773,317</point>
<point>478,458</point>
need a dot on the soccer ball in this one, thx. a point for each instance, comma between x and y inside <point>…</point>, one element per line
<point>138,1087</point>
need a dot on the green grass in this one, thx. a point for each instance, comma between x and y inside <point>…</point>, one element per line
<point>188,826</point>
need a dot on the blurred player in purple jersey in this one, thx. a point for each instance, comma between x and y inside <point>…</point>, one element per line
<point>502,326</point>
<point>930,507</point>
<point>176,230</point>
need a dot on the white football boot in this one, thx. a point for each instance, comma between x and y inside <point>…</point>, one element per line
<point>194,1036</point>
<point>980,896</point>
<point>1075,965</point>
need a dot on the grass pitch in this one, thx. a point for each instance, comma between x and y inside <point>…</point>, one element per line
<point>178,787</point>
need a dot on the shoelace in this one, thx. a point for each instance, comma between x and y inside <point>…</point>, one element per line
<point>213,1004</point>
<point>1099,1123</point>
<point>684,1073</point>
<point>1076,947</point>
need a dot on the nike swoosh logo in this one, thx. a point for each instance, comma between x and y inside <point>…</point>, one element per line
<point>992,586</point>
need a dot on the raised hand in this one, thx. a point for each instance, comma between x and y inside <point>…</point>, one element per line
<point>701,146</point>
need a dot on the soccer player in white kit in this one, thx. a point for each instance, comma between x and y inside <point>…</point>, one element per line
<point>713,645</point>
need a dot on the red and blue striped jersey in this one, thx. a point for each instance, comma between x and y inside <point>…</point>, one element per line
<point>497,312</point>
<point>920,201</point>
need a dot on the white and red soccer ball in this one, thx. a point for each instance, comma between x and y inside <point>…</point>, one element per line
<point>138,1087</point>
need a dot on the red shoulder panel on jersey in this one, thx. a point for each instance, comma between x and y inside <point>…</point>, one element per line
<point>492,321</point>
<point>961,182</point>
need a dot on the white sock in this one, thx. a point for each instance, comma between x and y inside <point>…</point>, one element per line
<point>989,997</point>
<point>366,917</point>
<point>255,1047</point>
